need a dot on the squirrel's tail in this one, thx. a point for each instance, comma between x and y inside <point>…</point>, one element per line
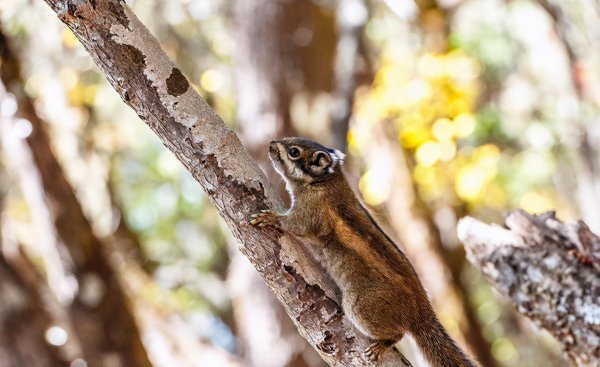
<point>438,347</point>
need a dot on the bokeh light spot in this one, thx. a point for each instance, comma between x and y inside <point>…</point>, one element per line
<point>464,125</point>
<point>373,188</point>
<point>443,129</point>
<point>212,80</point>
<point>503,349</point>
<point>56,336</point>
<point>428,153</point>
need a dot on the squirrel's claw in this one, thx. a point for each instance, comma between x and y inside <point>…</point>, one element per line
<point>264,218</point>
<point>374,351</point>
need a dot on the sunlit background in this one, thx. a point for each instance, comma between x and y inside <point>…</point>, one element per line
<point>446,108</point>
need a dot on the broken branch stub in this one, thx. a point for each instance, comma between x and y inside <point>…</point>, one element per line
<point>550,270</point>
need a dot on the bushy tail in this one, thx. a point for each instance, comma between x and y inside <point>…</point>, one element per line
<point>438,347</point>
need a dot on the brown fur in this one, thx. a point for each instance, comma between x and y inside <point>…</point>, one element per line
<point>381,292</point>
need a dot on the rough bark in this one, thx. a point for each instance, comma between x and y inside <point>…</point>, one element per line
<point>99,310</point>
<point>550,270</point>
<point>147,81</point>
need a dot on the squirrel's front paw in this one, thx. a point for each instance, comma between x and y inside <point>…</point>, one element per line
<point>265,218</point>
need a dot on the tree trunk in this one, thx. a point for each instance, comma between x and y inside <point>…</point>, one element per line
<point>99,310</point>
<point>147,80</point>
<point>549,269</point>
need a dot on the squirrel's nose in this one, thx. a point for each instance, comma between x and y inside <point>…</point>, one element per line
<point>273,149</point>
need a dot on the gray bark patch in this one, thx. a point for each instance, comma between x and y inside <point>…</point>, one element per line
<point>549,269</point>
<point>177,84</point>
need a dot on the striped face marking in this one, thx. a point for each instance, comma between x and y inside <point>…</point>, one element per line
<point>303,161</point>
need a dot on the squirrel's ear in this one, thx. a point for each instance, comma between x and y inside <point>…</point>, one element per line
<point>321,159</point>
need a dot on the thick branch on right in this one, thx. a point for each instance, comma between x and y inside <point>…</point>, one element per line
<point>549,269</point>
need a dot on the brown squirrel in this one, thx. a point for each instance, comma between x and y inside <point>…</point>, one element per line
<point>381,292</point>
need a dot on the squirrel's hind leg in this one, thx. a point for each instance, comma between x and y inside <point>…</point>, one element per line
<point>374,351</point>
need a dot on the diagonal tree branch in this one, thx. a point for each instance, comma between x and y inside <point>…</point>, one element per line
<point>549,269</point>
<point>147,80</point>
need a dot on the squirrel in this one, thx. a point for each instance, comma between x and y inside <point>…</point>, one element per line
<point>381,292</point>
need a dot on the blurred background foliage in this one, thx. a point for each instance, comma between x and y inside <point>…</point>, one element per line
<point>488,105</point>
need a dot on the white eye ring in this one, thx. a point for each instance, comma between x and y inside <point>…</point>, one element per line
<point>294,152</point>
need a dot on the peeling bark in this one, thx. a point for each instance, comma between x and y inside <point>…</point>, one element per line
<point>138,69</point>
<point>550,270</point>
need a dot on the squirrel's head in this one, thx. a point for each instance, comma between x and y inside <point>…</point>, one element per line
<point>303,161</point>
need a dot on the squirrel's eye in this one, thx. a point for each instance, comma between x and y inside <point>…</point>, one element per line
<point>294,152</point>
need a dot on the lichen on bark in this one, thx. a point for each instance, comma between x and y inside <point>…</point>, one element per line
<point>550,270</point>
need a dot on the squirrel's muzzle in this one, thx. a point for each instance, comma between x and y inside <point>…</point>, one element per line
<point>274,151</point>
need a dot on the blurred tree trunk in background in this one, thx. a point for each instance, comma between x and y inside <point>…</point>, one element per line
<point>24,319</point>
<point>178,345</point>
<point>168,339</point>
<point>350,65</point>
<point>23,324</point>
<point>99,309</point>
<point>583,139</point>
<point>550,270</point>
<point>285,58</point>
<point>411,219</point>
<point>434,21</point>
<point>271,67</point>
